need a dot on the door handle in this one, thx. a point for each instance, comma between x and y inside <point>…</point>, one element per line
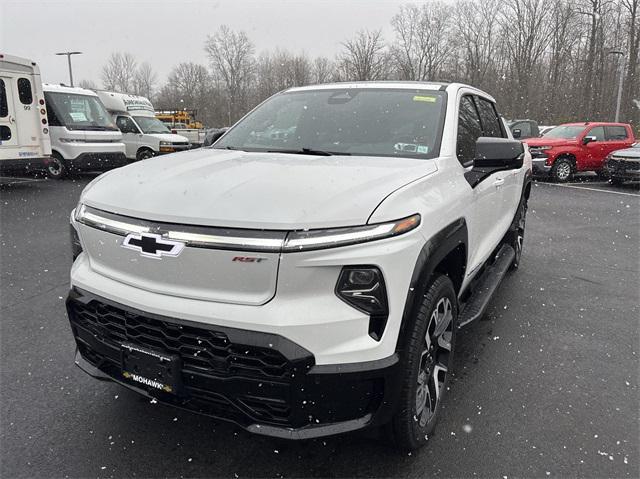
<point>499,182</point>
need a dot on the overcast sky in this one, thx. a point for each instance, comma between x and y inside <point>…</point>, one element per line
<point>165,33</point>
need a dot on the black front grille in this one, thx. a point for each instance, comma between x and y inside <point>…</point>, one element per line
<point>221,377</point>
<point>623,165</point>
<point>200,349</point>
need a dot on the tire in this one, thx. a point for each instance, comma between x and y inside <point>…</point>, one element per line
<point>515,236</point>
<point>144,154</point>
<point>616,181</point>
<point>56,168</point>
<point>562,170</point>
<point>426,365</point>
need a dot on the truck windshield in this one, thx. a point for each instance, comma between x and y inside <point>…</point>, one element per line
<point>78,112</point>
<point>362,122</point>
<point>569,132</point>
<point>151,125</point>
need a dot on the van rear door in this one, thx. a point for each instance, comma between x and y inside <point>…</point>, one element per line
<point>8,124</point>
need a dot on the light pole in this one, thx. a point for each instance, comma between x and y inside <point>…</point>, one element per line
<point>68,54</point>
<point>620,80</point>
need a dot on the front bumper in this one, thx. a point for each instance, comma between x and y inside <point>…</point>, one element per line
<point>163,150</point>
<point>621,169</point>
<point>97,161</point>
<point>539,166</point>
<point>260,381</point>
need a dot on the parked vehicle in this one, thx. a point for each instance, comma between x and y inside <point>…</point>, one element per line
<point>143,134</point>
<point>83,135</point>
<point>624,165</point>
<point>212,134</point>
<point>310,284</point>
<point>544,129</point>
<point>182,122</point>
<point>574,147</point>
<point>24,132</point>
<point>522,129</point>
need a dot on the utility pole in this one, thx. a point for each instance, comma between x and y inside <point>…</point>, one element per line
<point>68,54</point>
<point>621,62</point>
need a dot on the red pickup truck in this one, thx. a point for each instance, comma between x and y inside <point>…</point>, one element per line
<point>572,147</point>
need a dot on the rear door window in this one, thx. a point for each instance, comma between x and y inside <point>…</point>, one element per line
<point>489,118</point>
<point>616,133</point>
<point>24,91</point>
<point>4,107</point>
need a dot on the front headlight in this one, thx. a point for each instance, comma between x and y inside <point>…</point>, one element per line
<point>541,148</point>
<point>334,237</point>
<point>165,143</point>
<point>76,245</point>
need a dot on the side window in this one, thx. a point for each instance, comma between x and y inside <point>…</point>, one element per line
<point>489,118</point>
<point>598,132</point>
<point>4,107</point>
<point>524,127</point>
<point>616,133</point>
<point>469,130</point>
<point>126,125</point>
<point>5,133</point>
<point>24,91</point>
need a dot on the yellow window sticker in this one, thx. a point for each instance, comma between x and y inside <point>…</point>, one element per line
<point>428,99</point>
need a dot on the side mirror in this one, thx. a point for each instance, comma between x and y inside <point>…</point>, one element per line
<point>500,153</point>
<point>494,154</point>
<point>588,139</point>
<point>517,133</point>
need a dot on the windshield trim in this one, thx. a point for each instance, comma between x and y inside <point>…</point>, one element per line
<point>435,153</point>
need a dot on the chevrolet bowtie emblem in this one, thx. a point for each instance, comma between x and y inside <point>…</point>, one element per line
<point>152,245</point>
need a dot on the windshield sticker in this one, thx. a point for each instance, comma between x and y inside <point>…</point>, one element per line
<point>428,99</point>
<point>78,116</point>
<point>422,149</point>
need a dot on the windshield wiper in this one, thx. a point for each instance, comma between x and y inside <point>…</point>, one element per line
<point>308,151</point>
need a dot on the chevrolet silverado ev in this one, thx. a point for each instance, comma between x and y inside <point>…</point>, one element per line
<point>305,275</point>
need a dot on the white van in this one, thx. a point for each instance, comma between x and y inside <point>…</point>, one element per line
<point>143,134</point>
<point>24,133</point>
<point>83,135</point>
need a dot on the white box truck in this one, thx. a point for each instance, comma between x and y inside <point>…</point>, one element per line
<point>143,134</point>
<point>83,135</point>
<point>24,132</point>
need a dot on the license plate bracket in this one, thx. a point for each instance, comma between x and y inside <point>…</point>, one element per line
<point>154,369</point>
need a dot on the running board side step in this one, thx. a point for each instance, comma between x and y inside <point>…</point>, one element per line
<point>486,287</point>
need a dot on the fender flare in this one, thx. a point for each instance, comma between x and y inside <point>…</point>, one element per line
<point>432,253</point>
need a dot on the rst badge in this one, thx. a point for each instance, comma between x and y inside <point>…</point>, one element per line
<point>152,245</point>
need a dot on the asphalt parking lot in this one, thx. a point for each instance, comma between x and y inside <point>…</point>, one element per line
<point>546,385</point>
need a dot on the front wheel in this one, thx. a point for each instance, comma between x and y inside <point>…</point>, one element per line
<point>562,170</point>
<point>515,236</point>
<point>427,364</point>
<point>144,154</point>
<point>615,181</point>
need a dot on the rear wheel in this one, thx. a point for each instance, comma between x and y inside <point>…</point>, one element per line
<point>56,169</point>
<point>562,170</point>
<point>427,364</point>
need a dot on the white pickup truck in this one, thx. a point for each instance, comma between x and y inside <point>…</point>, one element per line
<point>309,283</point>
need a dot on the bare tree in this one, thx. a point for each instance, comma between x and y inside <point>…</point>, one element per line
<point>630,110</point>
<point>423,41</point>
<point>476,30</point>
<point>88,84</point>
<point>144,81</point>
<point>231,56</point>
<point>322,70</point>
<point>119,73</point>
<point>526,35</point>
<point>364,57</point>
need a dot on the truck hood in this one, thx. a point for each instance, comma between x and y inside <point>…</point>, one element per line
<point>533,142</point>
<point>254,190</point>
<point>172,137</point>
